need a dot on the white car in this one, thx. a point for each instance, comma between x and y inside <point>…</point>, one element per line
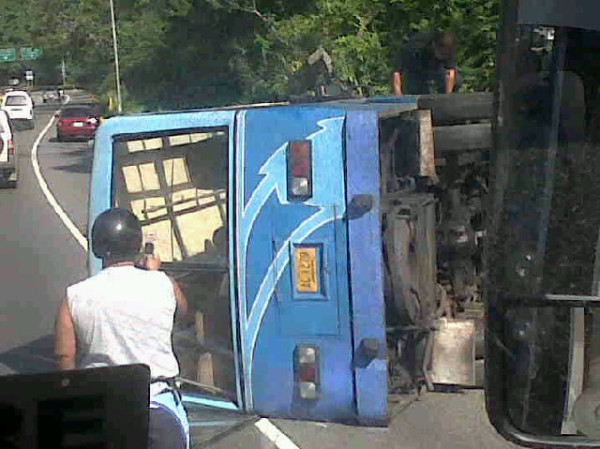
<point>19,106</point>
<point>8,157</point>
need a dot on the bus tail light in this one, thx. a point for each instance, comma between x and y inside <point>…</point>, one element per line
<point>300,169</point>
<point>306,368</point>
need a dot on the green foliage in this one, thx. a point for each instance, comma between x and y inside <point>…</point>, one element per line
<point>473,21</point>
<point>195,53</point>
<point>364,39</point>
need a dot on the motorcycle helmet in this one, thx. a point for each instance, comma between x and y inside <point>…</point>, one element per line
<point>116,235</point>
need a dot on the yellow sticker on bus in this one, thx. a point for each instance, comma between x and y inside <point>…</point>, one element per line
<point>307,279</point>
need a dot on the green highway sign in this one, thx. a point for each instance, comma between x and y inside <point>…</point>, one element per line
<point>8,54</point>
<point>30,53</point>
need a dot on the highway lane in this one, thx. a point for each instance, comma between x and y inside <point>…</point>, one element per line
<point>50,259</point>
<point>39,258</point>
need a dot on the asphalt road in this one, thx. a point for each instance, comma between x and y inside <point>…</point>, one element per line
<point>39,258</point>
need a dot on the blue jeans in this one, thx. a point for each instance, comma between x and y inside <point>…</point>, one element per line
<point>170,400</point>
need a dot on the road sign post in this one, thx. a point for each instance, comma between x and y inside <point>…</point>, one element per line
<point>29,75</point>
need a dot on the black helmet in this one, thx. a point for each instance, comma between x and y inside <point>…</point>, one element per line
<point>116,234</point>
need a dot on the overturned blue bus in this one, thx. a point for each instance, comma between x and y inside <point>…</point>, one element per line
<point>305,237</point>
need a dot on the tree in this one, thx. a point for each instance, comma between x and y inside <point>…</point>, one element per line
<point>363,38</point>
<point>194,53</point>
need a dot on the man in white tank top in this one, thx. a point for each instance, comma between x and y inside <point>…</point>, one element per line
<point>124,315</point>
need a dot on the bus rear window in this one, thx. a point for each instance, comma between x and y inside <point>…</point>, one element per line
<point>16,100</point>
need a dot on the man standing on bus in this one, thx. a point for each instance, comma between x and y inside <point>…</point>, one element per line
<point>124,315</point>
<point>427,65</point>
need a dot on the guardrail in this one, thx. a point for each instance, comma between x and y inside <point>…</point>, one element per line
<point>39,88</point>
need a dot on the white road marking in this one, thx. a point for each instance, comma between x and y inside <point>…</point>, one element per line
<point>276,436</point>
<point>46,190</point>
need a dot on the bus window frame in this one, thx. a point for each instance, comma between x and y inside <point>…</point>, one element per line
<point>496,304</point>
<point>224,122</point>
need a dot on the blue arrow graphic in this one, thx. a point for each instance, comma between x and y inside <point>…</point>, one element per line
<point>328,196</point>
<point>275,171</point>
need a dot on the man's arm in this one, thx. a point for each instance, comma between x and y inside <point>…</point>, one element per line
<point>183,312</point>
<point>397,83</point>
<point>450,80</point>
<point>65,346</point>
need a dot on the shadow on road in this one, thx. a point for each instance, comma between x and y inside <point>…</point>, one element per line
<point>20,127</point>
<point>46,107</point>
<point>77,151</point>
<point>69,141</point>
<point>34,357</point>
<point>84,160</point>
<point>83,166</point>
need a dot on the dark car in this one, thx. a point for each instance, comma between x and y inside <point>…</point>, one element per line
<point>77,122</point>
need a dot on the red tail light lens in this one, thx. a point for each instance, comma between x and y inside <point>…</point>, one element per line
<point>307,372</point>
<point>300,169</point>
<point>11,148</point>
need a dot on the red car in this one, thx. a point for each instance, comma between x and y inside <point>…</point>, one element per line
<point>77,122</point>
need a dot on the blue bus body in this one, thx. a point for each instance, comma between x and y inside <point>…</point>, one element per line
<point>300,271</point>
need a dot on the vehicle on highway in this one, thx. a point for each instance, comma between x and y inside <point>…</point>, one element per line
<point>312,234</point>
<point>77,122</point>
<point>19,105</point>
<point>8,160</point>
<point>278,224</point>
<point>313,240</point>
<point>52,96</point>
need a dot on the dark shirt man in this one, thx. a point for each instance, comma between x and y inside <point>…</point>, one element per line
<point>427,65</point>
